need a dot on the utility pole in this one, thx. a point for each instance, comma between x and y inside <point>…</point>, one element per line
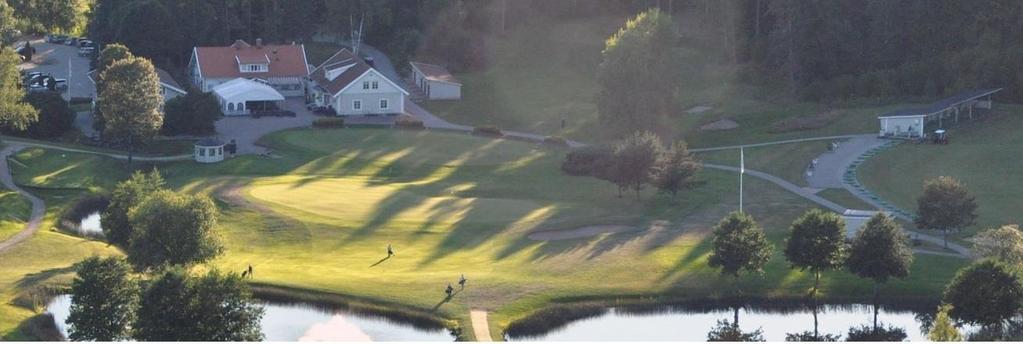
<point>742,170</point>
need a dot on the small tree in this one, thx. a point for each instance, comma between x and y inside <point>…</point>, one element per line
<point>739,244</point>
<point>192,114</point>
<point>127,194</point>
<point>130,100</point>
<point>103,299</point>
<point>15,113</point>
<point>1004,243</point>
<point>730,332</point>
<point>172,229</point>
<point>675,169</point>
<point>634,159</point>
<point>985,293</point>
<point>816,243</point>
<point>879,252</point>
<point>945,205</point>
<point>943,330</point>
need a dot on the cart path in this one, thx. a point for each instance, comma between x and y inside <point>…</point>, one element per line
<point>38,207</point>
<point>480,325</point>
<point>119,156</point>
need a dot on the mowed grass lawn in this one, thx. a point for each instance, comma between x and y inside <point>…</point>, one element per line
<point>984,155</point>
<point>787,161</point>
<point>14,211</point>
<point>321,216</point>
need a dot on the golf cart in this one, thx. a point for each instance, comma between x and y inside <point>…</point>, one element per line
<point>941,137</point>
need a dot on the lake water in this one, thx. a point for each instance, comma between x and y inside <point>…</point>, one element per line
<point>90,225</point>
<point>303,322</point>
<point>680,325</point>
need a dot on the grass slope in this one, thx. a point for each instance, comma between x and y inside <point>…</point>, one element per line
<point>984,155</point>
<point>321,217</point>
<point>787,161</point>
<point>14,211</point>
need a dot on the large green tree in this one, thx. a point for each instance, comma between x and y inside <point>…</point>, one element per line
<point>985,293</point>
<point>192,114</point>
<point>47,15</point>
<point>130,100</point>
<point>15,113</point>
<point>816,243</point>
<point>103,299</point>
<point>127,194</point>
<point>945,205</point>
<point>211,307</point>
<point>1004,243</point>
<point>879,252</point>
<point>637,76</point>
<point>55,117</point>
<point>172,228</point>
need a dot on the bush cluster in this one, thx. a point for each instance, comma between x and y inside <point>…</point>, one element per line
<point>487,130</point>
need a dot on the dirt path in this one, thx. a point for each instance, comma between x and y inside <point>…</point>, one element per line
<point>480,325</point>
<point>38,207</point>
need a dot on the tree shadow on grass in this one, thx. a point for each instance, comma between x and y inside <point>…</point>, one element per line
<point>34,279</point>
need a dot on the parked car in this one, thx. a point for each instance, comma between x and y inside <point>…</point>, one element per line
<point>57,84</point>
<point>37,88</point>
<point>86,51</point>
<point>86,43</point>
<point>56,39</point>
<point>71,41</point>
<point>35,78</point>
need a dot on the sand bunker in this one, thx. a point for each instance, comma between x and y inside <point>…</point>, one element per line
<point>698,109</point>
<point>721,124</point>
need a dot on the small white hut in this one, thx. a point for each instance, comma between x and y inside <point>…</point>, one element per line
<point>209,151</point>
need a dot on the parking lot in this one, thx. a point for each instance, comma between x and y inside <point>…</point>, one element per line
<point>54,59</point>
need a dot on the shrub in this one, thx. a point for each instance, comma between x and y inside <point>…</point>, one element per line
<point>409,122</point>
<point>586,161</point>
<point>55,118</point>
<point>488,130</point>
<point>555,141</point>
<point>329,122</point>
<point>867,333</point>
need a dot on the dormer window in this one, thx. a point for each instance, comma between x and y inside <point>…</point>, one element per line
<point>254,68</point>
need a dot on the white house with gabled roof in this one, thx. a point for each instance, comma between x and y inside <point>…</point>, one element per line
<point>351,86</point>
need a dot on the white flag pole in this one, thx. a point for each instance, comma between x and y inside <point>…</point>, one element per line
<point>742,170</point>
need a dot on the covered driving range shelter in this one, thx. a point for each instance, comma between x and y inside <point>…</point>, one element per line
<point>915,122</point>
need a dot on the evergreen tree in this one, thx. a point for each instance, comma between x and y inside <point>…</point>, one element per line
<point>943,330</point>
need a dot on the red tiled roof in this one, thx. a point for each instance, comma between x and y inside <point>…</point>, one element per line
<point>222,62</point>
<point>435,73</point>
<point>339,60</point>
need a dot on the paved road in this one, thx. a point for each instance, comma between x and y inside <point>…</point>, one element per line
<point>53,59</point>
<point>831,166</point>
<point>38,207</point>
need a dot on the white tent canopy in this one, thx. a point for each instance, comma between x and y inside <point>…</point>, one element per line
<point>234,94</point>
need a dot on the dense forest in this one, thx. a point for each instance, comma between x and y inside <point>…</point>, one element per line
<point>818,50</point>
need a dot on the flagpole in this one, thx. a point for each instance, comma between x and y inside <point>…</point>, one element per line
<point>742,170</point>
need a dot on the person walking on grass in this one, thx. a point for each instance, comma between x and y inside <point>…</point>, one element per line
<point>249,271</point>
<point>461,281</point>
<point>449,290</point>
<point>390,251</point>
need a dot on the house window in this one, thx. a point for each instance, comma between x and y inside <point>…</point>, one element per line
<point>202,151</point>
<point>365,85</point>
<point>383,104</point>
<point>357,105</point>
<point>376,85</point>
<point>230,106</point>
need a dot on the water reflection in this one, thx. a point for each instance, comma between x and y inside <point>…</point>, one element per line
<point>90,225</point>
<point>303,322</point>
<point>682,325</point>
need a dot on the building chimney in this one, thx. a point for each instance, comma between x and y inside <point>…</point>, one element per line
<point>259,43</point>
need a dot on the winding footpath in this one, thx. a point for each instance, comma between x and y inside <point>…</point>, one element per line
<point>38,207</point>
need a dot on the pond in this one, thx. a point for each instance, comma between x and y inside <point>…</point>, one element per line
<point>305,322</point>
<point>680,324</point>
<point>90,225</point>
